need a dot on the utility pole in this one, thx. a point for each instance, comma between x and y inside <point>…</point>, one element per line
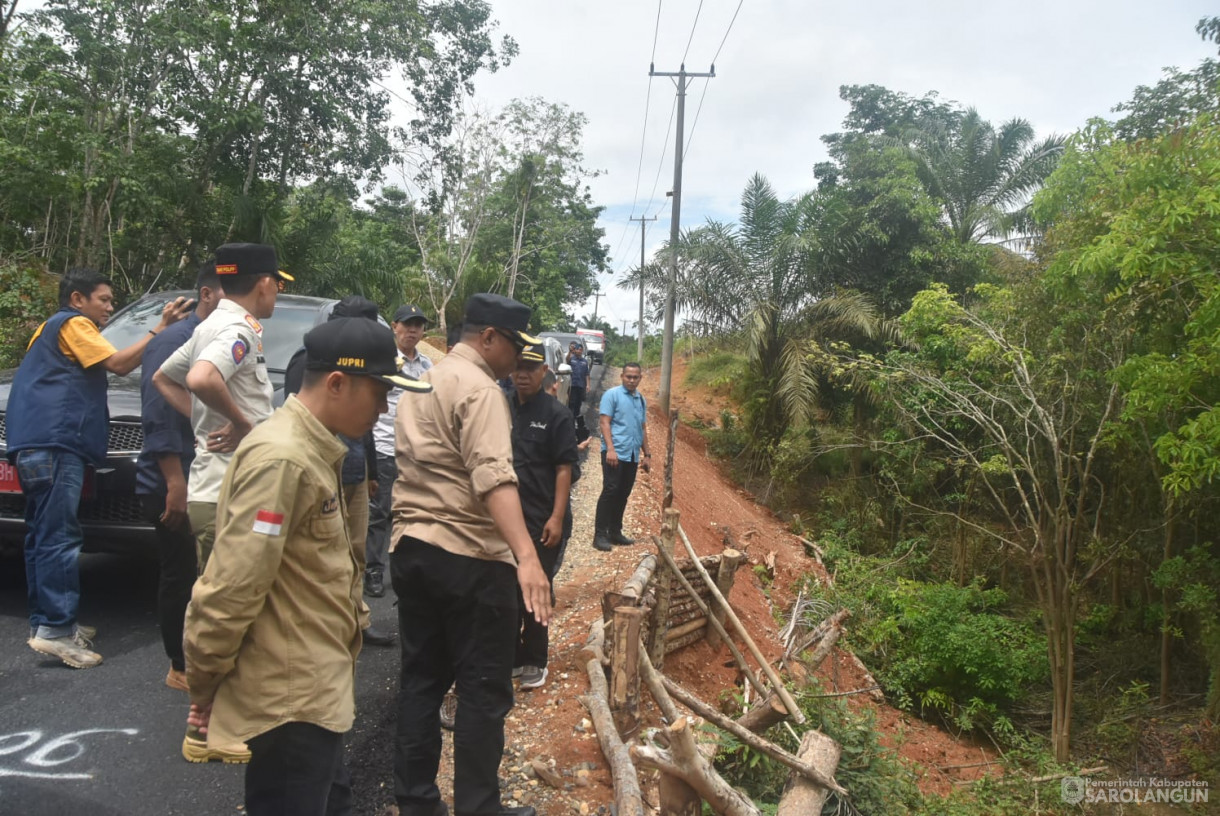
<point>597,293</point>
<point>639,334</point>
<point>624,326</point>
<point>667,343</point>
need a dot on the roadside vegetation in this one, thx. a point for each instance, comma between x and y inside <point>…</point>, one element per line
<point>976,368</point>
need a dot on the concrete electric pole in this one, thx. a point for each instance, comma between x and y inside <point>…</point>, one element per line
<point>667,344</point>
<point>639,333</point>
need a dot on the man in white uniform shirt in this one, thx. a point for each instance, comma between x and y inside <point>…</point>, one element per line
<point>219,379</point>
<point>409,323</point>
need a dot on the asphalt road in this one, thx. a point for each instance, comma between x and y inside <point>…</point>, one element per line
<point>106,741</point>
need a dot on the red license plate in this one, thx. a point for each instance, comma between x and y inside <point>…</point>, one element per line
<point>8,478</point>
<point>9,483</point>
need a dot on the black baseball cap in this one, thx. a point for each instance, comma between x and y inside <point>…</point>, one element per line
<point>502,313</point>
<point>248,259</point>
<point>357,345</point>
<point>409,311</point>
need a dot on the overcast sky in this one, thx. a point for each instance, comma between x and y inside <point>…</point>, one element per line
<point>777,79</point>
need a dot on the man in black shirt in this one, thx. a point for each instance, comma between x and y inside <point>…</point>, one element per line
<point>544,457</point>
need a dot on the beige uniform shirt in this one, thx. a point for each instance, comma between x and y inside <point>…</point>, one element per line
<point>230,338</point>
<point>453,446</point>
<point>272,629</point>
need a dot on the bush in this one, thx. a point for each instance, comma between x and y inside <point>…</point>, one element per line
<point>936,646</point>
<point>28,296</point>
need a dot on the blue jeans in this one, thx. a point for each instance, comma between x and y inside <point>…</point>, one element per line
<point>51,480</point>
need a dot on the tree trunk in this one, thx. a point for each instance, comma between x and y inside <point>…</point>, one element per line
<point>1166,617</point>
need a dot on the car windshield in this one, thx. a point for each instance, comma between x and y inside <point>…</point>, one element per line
<point>282,332</point>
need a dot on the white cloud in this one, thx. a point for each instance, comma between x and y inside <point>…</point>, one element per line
<point>776,90</point>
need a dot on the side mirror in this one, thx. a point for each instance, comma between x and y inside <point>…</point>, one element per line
<point>564,368</point>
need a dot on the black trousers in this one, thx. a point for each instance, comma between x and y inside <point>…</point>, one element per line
<point>176,555</point>
<point>616,489</point>
<point>533,644</point>
<point>576,398</point>
<point>297,769</point>
<point>457,620</point>
<point>376,548</point>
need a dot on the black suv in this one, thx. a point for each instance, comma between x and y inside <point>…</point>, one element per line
<point>109,509</point>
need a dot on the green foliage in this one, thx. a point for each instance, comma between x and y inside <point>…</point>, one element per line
<point>28,296</point>
<point>718,370</point>
<point>959,650</point>
<point>1175,101</point>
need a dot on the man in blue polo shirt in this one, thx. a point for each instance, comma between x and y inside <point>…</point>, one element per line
<point>624,449</point>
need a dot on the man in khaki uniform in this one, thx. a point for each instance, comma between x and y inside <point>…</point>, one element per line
<point>219,377</point>
<point>458,552</point>
<point>272,630</point>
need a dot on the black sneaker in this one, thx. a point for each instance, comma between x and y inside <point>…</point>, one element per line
<point>601,541</point>
<point>525,810</point>
<point>620,540</point>
<point>374,584</point>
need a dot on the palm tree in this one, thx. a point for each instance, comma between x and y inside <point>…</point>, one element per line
<point>983,177</point>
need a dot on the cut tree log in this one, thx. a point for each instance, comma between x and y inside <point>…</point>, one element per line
<point>683,761</point>
<point>801,796</point>
<point>595,645</point>
<point>813,774</point>
<point>639,579</point>
<point>793,710</point>
<point>686,640</point>
<point>764,715</point>
<point>686,628</point>
<point>703,607</point>
<point>725,571</point>
<point>627,799</point>
<point>625,671</point>
<point>667,497</point>
<point>819,631</point>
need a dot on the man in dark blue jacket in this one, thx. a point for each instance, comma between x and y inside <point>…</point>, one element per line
<point>56,423</point>
<point>161,472</point>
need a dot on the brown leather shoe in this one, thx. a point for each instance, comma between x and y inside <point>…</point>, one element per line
<point>177,680</point>
<point>194,750</point>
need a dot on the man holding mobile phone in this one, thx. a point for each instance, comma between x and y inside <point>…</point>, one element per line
<point>58,423</point>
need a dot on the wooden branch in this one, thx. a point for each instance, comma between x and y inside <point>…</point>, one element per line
<point>686,640</point>
<point>768,713</point>
<point>595,646</point>
<point>639,579</point>
<point>625,671</point>
<point>683,761</point>
<point>703,607</point>
<point>819,631</point>
<point>725,572</point>
<point>749,737</point>
<point>780,689</point>
<point>802,797</point>
<point>686,628</point>
<point>627,799</point>
<point>677,797</point>
<point>824,648</point>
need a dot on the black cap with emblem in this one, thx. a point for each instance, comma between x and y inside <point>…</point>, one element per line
<point>248,259</point>
<point>357,345</point>
<point>500,312</point>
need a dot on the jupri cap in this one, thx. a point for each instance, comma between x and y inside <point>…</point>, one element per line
<point>357,345</point>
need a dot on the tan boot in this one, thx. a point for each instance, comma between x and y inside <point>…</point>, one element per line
<point>68,649</point>
<point>196,750</point>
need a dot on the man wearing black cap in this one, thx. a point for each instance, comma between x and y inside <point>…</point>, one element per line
<point>219,379</point>
<point>544,458</point>
<point>409,323</point>
<point>272,630</point>
<point>459,550</point>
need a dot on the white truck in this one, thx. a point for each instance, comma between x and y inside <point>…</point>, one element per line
<point>595,344</point>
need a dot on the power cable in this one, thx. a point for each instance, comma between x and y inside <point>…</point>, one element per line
<point>699,109</point>
<point>692,31</point>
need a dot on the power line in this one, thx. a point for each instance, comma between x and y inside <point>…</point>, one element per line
<point>692,31</point>
<point>664,151</point>
<point>655,32</point>
<point>699,109</point>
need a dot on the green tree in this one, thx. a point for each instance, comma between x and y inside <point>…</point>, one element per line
<point>1177,99</point>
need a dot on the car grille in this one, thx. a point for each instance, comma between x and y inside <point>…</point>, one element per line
<point>104,510</point>
<point>126,438</point>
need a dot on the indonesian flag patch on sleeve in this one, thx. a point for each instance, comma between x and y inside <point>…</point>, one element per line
<point>268,523</point>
